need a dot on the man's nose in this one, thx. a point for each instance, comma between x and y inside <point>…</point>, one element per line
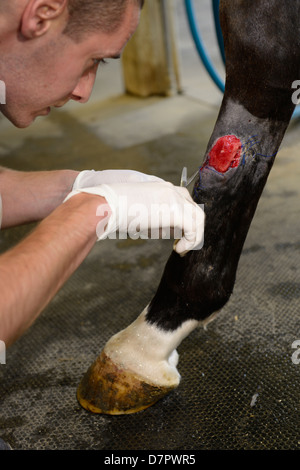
<point>84,87</point>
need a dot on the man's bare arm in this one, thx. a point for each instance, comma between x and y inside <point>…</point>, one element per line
<point>32,196</point>
<point>32,272</point>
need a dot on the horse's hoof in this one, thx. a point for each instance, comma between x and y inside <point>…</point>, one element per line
<point>108,388</point>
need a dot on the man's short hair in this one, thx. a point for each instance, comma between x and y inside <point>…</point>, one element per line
<point>88,16</point>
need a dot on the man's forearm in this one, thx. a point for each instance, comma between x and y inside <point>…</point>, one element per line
<point>32,272</point>
<point>32,196</point>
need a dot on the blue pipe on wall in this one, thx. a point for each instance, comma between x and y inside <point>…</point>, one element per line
<point>189,6</point>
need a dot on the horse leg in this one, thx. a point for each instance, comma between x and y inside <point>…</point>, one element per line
<point>138,366</point>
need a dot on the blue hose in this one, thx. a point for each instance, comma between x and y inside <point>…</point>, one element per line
<point>296,112</point>
<point>189,6</point>
<point>200,47</point>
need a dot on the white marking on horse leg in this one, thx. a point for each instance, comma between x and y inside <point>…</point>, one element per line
<point>148,350</point>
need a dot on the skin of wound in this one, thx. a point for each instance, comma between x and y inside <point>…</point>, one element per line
<point>225,154</point>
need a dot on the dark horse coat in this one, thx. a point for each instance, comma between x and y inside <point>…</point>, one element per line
<point>138,365</point>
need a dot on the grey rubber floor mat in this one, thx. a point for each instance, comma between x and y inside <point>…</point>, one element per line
<point>240,376</point>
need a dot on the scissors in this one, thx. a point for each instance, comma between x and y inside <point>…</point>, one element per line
<point>185,181</point>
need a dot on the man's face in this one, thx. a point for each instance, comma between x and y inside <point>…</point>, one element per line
<point>59,70</point>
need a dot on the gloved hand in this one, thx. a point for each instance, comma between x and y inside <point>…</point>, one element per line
<point>91,178</point>
<point>155,207</point>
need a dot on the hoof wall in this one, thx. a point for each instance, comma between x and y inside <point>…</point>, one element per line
<point>107,388</point>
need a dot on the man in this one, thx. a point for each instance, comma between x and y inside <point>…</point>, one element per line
<point>49,54</point>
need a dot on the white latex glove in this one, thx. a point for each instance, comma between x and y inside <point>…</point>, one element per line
<point>91,178</point>
<point>155,207</point>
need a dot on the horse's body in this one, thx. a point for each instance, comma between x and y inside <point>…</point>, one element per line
<point>261,39</point>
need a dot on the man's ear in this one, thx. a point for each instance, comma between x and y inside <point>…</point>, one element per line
<point>39,14</point>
